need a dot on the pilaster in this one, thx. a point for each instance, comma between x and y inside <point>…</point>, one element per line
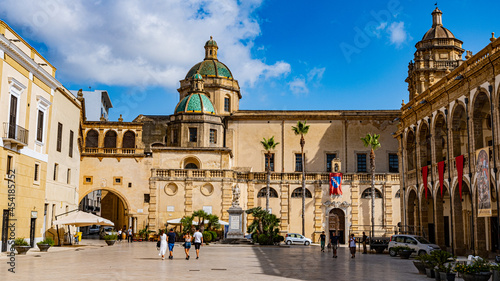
<point>285,201</point>
<point>152,214</point>
<point>318,211</point>
<point>188,198</point>
<point>227,198</point>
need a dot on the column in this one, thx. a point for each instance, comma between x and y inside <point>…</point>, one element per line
<point>227,198</point>
<point>354,204</point>
<point>250,199</point>
<point>318,212</point>
<point>152,212</point>
<point>285,203</point>
<point>188,198</point>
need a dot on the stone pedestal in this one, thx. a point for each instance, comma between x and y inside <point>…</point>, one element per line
<point>236,223</point>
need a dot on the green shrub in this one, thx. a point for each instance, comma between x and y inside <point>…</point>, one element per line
<point>255,237</point>
<point>207,236</point>
<point>48,241</point>
<point>214,235</point>
<point>20,242</point>
<point>111,237</point>
<point>278,238</point>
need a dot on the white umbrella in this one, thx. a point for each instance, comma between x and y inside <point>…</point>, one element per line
<point>80,218</point>
<point>178,221</point>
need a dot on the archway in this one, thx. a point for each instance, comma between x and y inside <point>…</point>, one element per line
<point>462,220</point>
<point>459,131</point>
<point>410,150</point>
<point>427,215</point>
<point>425,145</point>
<point>412,212</point>
<point>481,121</point>
<point>442,216</point>
<point>107,204</point>
<point>440,141</point>
<point>336,222</point>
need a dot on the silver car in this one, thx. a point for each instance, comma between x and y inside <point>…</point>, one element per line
<point>294,238</point>
<point>417,243</point>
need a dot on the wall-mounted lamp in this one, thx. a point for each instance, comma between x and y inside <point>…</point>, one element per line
<point>423,101</point>
<point>14,40</point>
<point>459,77</point>
<point>42,64</point>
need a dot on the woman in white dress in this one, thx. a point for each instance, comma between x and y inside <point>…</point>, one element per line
<point>163,244</point>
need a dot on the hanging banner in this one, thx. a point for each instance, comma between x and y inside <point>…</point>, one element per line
<point>335,183</point>
<point>441,176</point>
<point>483,182</point>
<point>459,161</point>
<point>424,179</point>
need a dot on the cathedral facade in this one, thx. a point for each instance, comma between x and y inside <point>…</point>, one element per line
<point>162,168</point>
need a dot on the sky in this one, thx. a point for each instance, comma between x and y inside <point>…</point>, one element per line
<point>286,55</point>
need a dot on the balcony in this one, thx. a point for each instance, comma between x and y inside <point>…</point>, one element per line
<point>122,152</point>
<point>15,136</point>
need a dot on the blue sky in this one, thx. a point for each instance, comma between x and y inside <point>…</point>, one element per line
<point>287,55</point>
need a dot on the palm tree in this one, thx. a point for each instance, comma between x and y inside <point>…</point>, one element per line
<point>213,222</point>
<point>268,145</point>
<point>372,141</point>
<point>302,129</point>
<point>202,215</point>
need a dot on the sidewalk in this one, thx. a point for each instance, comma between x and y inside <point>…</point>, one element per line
<point>84,244</point>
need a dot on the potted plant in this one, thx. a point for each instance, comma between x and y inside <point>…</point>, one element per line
<point>45,244</point>
<point>405,252</point>
<point>495,270</point>
<point>440,258</point>
<point>447,272</point>
<point>21,246</point>
<point>422,262</point>
<point>479,270</point>
<point>110,239</point>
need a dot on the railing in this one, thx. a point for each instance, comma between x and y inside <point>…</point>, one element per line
<point>262,176</point>
<point>102,150</point>
<point>15,132</point>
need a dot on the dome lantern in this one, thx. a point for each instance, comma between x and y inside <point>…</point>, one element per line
<point>197,82</point>
<point>211,49</point>
<point>437,17</point>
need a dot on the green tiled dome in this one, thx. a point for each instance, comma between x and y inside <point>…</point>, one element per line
<point>195,103</point>
<point>197,76</point>
<point>211,42</point>
<point>210,68</point>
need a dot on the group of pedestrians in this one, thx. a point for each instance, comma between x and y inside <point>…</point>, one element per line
<point>168,240</point>
<point>124,232</point>
<point>335,242</point>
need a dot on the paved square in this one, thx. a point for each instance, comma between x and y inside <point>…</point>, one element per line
<point>140,261</point>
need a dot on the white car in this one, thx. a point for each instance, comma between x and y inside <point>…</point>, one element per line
<point>417,243</point>
<point>294,238</point>
<point>94,229</point>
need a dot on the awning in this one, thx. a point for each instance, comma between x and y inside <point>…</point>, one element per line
<point>178,221</point>
<point>80,218</point>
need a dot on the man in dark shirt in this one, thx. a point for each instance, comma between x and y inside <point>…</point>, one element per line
<point>171,243</point>
<point>322,239</point>
<point>334,240</point>
<point>364,240</point>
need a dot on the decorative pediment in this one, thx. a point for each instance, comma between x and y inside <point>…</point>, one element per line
<point>337,204</point>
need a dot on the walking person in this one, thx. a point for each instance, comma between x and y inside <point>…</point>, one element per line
<point>334,241</point>
<point>364,240</point>
<point>120,235</point>
<point>163,244</point>
<point>352,246</point>
<point>198,240</point>
<point>322,239</point>
<point>187,244</point>
<point>129,235</point>
<point>171,243</point>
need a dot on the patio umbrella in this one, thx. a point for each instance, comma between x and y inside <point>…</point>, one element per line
<point>80,218</point>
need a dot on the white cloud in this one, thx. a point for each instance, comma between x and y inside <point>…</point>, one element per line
<point>137,43</point>
<point>397,33</point>
<point>315,75</point>
<point>298,86</point>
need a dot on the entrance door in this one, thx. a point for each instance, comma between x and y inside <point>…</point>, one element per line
<point>336,222</point>
<point>5,230</point>
<point>32,232</point>
<point>447,231</point>
<point>432,233</point>
<point>13,117</point>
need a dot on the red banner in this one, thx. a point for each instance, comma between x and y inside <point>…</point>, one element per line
<point>335,183</point>
<point>441,176</point>
<point>424,179</point>
<point>459,160</point>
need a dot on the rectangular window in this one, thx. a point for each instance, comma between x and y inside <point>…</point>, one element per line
<point>175,135</point>
<point>68,176</point>
<point>226,104</point>
<point>13,117</point>
<point>118,180</point>
<point>271,161</point>
<point>71,136</point>
<point>298,162</point>
<point>9,164</point>
<point>59,136</point>
<point>329,159</point>
<point>213,136</point>
<point>361,161</point>
<point>129,184</point>
<point>88,180</point>
<point>56,168</point>
<point>393,163</point>
<point>146,198</point>
<point>36,174</point>
<point>193,134</point>
<point>39,128</point>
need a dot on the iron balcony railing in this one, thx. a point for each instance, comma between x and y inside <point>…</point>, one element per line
<point>15,132</point>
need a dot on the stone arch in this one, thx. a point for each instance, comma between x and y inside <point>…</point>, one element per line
<point>459,130</point>
<point>440,138</point>
<point>412,209</point>
<point>481,118</point>
<point>336,222</point>
<point>427,213</point>
<point>128,139</point>
<point>272,193</point>
<point>442,218</point>
<point>120,195</point>
<point>297,193</point>
<point>462,216</point>
<point>410,150</point>
<point>424,142</point>
<point>191,161</point>
<point>92,139</point>
<point>367,193</point>
<point>110,139</point>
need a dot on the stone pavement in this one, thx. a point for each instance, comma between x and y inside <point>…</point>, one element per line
<point>140,261</point>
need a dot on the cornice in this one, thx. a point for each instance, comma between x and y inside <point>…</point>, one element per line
<point>23,59</point>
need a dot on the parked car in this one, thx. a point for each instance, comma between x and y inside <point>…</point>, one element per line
<point>294,238</point>
<point>107,230</point>
<point>94,229</point>
<point>418,243</point>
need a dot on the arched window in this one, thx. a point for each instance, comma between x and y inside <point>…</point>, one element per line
<point>92,139</point>
<point>398,194</point>
<point>272,193</point>
<point>367,194</point>
<point>110,139</point>
<point>128,140</point>
<point>191,166</point>
<point>297,193</point>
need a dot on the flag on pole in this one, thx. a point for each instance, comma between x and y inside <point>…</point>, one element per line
<point>335,183</point>
<point>424,179</point>
<point>441,176</point>
<point>459,160</point>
